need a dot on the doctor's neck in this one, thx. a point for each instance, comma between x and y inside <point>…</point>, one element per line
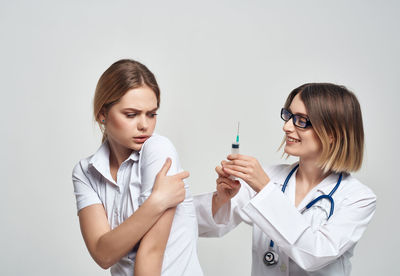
<point>309,172</point>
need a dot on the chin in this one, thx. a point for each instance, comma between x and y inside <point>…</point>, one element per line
<point>133,146</point>
<point>136,147</point>
<point>291,152</point>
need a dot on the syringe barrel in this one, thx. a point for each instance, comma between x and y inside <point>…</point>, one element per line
<point>235,148</point>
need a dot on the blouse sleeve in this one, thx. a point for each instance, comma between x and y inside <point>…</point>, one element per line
<point>84,192</point>
<point>153,155</point>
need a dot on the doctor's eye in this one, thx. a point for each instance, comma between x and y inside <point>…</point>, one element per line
<point>152,115</point>
<point>302,120</point>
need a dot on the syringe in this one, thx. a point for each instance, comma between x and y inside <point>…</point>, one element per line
<point>235,145</point>
<point>235,148</point>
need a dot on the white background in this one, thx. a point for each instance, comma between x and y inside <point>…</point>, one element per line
<point>217,62</point>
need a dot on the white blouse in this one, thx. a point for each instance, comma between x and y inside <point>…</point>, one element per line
<point>93,184</point>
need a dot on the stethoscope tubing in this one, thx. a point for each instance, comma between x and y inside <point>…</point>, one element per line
<point>311,203</point>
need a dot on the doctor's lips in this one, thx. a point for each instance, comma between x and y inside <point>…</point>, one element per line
<point>140,139</point>
<point>292,140</point>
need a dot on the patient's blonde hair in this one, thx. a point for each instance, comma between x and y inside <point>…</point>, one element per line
<point>335,115</point>
<point>121,76</point>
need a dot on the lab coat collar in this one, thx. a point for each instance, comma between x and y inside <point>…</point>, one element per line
<point>325,187</point>
<point>329,182</point>
<point>101,161</point>
<point>280,179</point>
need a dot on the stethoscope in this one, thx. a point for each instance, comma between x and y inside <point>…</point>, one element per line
<point>271,257</point>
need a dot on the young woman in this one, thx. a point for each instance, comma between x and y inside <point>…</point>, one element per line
<point>307,217</point>
<point>125,193</point>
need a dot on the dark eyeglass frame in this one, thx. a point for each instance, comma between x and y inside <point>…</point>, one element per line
<point>297,119</point>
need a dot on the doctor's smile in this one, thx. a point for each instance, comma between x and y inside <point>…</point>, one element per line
<point>292,140</point>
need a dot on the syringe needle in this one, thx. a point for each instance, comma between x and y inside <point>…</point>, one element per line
<point>237,135</point>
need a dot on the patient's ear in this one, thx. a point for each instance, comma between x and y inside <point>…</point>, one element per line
<point>102,116</point>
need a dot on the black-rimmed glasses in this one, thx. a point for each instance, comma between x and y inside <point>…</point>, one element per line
<point>298,120</point>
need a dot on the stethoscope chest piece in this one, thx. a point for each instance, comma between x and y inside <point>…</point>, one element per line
<point>270,258</point>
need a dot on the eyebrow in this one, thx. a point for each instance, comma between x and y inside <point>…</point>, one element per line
<point>302,114</point>
<point>298,113</point>
<point>138,110</point>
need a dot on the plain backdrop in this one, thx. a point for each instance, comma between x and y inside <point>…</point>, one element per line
<point>217,62</point>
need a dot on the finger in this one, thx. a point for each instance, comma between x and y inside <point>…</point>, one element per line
<point>234,156</point>
<point>165,168</point>
<point>226,180</point>
<point>225,187</point>
<point>182,175</point>
<point>235,173</point>
<point>231,191</point>
<point>220,172</point>
<point>232,183</point>
<point>223,184</point>
<point>244,170</point>
<point>238,156</point>
<point>237,162</point>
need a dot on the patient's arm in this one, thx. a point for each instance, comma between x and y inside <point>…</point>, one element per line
<point>150,255</point>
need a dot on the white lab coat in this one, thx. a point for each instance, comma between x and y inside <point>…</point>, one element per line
<point>307,243</point>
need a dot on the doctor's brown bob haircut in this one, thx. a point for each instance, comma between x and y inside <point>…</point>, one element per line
<point>119,78</point>
<point>335,115</point>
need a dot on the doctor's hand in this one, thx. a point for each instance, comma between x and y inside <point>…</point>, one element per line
<point>226,189</point>
<point>169,190</point>
<point>247,168</point>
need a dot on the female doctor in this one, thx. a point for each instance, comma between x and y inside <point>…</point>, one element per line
<point>307,217</point>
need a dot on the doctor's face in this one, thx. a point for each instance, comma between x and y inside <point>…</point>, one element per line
<point>131,121</point>
<point>301,142</point>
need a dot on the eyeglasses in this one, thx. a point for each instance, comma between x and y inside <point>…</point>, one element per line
<point>298,120</point>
